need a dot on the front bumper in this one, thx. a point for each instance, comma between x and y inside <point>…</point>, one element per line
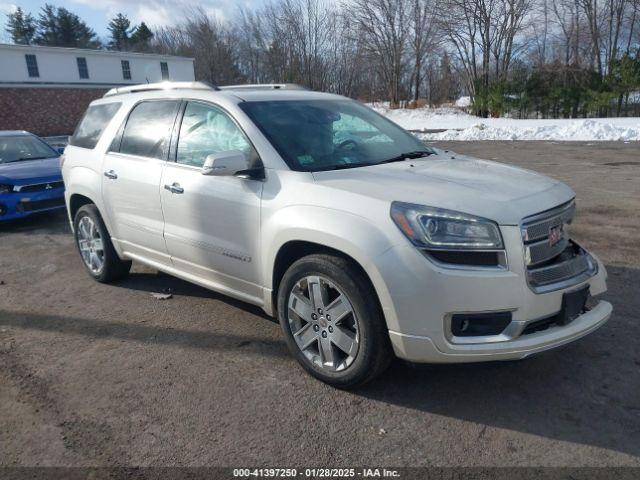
<point>424,350</point>
<point>419,297</point>
<point>19,205</point>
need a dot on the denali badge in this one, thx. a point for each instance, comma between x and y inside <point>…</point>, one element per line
<point>555,235</point>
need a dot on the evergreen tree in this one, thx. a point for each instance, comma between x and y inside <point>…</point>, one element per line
<point>21,26</point>
<point>47,26</point>
<point>120,29</point>
<point>58,27</point>
<point>141,38</point>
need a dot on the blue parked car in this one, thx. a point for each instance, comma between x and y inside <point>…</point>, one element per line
<point>30,178</point>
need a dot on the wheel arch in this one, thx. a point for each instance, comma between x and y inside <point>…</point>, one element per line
<point>76,201</point>
<point>296,231</point>
<point>293,250</point>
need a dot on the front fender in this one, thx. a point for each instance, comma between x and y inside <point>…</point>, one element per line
<point>348,233</point>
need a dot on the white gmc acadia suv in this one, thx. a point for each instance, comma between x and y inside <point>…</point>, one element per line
<point>362,240</point>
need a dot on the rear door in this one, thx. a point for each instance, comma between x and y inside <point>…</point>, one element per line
<point>131,182</point>
<point>212,224</point>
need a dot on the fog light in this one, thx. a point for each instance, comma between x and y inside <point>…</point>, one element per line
<point>3,209</point>
<point>479,324</point>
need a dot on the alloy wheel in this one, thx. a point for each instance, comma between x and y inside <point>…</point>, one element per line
<point>323,323</point>
<point>90,244</point>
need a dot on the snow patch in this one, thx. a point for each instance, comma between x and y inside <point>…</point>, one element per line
<point>463,102</point>
<point>577,130</point>
<point>454,124</point>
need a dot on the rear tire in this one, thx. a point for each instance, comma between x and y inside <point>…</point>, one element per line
<point>345,351</point>
<point>96,250</point>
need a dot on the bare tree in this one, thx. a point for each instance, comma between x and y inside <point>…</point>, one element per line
<point>422,38</point>
<point>382,24</point>
<point>208,41</point>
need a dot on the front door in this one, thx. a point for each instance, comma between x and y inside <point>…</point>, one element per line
<point>131,183</point>
<point>212,224</point>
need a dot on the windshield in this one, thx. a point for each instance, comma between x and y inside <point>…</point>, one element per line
<point>24,147</point>
<point>314,135</point>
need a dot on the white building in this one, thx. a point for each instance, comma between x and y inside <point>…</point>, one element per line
<point>46,90</point>
<point>33,65</point>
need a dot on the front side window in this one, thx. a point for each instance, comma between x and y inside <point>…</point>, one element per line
<point>313,135</point>
<point>164,69</point>
<point>83,69</point>
<point>92,125</point>
<point>32,66</point>
<point>205,130</point>
<point>126,69</point>
<point>148,129</point>
<point>24,147</point>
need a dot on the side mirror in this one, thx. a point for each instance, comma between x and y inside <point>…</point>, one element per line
<point>60,150</point>
<point>225,163</point>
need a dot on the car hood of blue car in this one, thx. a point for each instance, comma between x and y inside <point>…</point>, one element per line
<point>27,170</point>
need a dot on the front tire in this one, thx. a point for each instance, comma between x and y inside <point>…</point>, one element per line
<point>332,321</point>
<point>96,250</point>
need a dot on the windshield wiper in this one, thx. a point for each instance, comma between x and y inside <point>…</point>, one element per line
<point>344,166</point>
<point>407,156</point>
<point>399,158</point>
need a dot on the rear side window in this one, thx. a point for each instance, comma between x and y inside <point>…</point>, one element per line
<point>148,129</point>
<point>93,123</point>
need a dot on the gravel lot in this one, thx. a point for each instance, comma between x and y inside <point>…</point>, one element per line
<point>107,375</point>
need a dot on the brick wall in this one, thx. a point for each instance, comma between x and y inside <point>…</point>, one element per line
<point>44,111</point>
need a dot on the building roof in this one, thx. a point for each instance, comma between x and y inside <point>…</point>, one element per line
<point>89,51</point>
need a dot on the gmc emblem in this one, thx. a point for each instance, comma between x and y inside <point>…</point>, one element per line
<point>555,235</point>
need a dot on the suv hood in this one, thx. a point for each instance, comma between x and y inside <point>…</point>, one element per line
<point>492,190</point>
<point>29,169</point>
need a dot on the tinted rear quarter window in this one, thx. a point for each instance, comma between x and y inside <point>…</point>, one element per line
<point>92,125</point>
<point>148,129</point>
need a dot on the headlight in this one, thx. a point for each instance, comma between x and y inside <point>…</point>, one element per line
<point>6,188</point>
<point>439,229</point>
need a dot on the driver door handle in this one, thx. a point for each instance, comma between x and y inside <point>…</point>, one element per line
<point>111,174</point>
<point>174,188</point>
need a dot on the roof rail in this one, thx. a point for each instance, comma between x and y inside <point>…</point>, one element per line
<point>265,86</point>
<point>150,87</point>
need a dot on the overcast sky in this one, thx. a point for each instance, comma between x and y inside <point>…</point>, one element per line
<point>97,13</point>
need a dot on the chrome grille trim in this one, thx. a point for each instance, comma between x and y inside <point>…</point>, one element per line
<point>553,267</point>
<point>537,226</point>
<point>560,272</point>
<point>38,187</point>
<point>541,251</point>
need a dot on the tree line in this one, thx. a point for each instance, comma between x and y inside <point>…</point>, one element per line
<point>58,27</point>
<point>525,58</point>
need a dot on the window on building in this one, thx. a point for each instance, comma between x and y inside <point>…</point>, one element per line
<point>205,130</point>
<point>164,68</point>
<point>126,69</point>
<point>93,123</point>
<point>83,69</point>
<point>148,129</point>
<point>32,65</point>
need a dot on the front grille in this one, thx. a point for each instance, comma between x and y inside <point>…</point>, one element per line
<point>537,226</point>
<point>573,262</point>
<point>541,251</point>
<point>553,262</point>
<point>40,205</point>
<point>38,187</point>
